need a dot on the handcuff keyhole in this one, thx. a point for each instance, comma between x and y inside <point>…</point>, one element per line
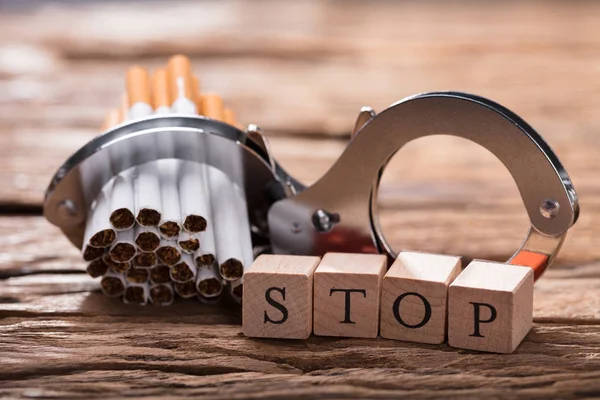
<point>323,221</point>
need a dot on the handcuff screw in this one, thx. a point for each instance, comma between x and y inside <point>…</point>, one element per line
<point>549,208</point>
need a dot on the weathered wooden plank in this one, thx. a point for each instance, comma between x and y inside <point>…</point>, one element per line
<point>553,359</point>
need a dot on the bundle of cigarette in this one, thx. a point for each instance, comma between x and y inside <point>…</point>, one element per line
<point>170,226</point>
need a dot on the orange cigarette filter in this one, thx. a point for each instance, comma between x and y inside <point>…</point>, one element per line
<point>179,71</point>
<point>537,261</point>
<point>212,106</point>
<point>160,89</point>
<point>229,117</point>
<point>123,108</point>
<point>112,118</point>
<point>138,86</point>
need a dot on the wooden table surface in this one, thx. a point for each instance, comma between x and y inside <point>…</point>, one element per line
<point>301,70</point>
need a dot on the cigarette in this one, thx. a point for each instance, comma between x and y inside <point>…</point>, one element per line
<point>145,260</point>
<point>122,202</point>
<point>112,284</point>
<point>160,92</point>
<point>162,294</point>
<point>212,106</point>
<point>236,289</point>
<point>148,203</point>
<point>147,239</point>
<point>185,270</point>
<point>185,290</point>
<point>123,250</point>
<point>97,268</point>
<point>229,117</point>
<point>170,225</point>
<point>112,119</point>
<point>138,93</point>
<point>160,274</point>
<point>168,253</point>
<point>181,91</point>
<point>124,107</point>
<point>232,240</point>
<point>136,293</point>
<point>193,196</point>
<point>137,275</point>
<point>102,234</point>
<point>196,93</point>
<point>245,230</point>
<point>208,282</point>
<point>119,267</point>
<point>188,243</point>
<point>91,253</point>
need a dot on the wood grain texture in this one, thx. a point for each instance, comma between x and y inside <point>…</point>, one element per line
<point>302,76</point>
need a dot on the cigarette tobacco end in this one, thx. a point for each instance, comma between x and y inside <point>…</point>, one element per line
<point>210,287</point>
<point>205,260</point>
<point>148,217</point>
<point>161,295</point>
<point>189,246</point>
<point>91,253</point>
<point>231,269</point>
<point>168,255</point>
<point>238,291</point>
<point>112,286</point>
<point>122,252</point>
<point>160,274</point>
<point>97,268</point>
<point>104,238</point>
<point>170,229</point>
<point>147,241</point>
<point>182,272</point>
<point>186,290</point>
<point>116,266</point>
<point>194,223</point>
<point>135,294</point>
<point>144,260</point>
<point>122,218</point>
<point>137,275</point>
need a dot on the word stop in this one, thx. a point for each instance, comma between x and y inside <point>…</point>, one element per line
<point>424,298</point>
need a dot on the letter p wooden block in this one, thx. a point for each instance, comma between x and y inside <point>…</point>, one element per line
<point>347,294</point>
<point>278,297</point>
<point>490,307</point>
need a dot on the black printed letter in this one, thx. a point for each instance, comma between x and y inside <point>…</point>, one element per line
<point>477,314</point>
<point>426,317</point>
<point>279,306</point>
<point>347,319</point>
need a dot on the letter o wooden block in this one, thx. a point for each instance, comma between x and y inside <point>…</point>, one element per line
<point>414,297</point>
<point>278,297</point>
<point>347,294</point>
<point>490,307</point>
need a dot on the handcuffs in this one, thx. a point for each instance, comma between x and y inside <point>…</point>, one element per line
<point>338,212</point>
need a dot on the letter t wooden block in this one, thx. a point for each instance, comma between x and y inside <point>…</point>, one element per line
<point>490,307</point>
<point>278,297</point>
<point>347,294</point>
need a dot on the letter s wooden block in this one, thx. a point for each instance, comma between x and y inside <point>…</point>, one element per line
<point>278,297</point>
<point>414,297</point>
<point>490,307</point>
<point>347,294</point>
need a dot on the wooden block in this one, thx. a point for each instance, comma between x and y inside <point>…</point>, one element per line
<point>347,294</point>
<point>278,297</point>
<point>414,297</point>
<point>490,307</point>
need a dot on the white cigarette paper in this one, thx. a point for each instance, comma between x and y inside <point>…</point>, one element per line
<point>148,204</point>
<point>245,231</point>
<point>231,236</point>
<point>122,201</point>
<point>208,282</point>
<point>193,196</point>
<point>102,234</point>
<point>170,224</point>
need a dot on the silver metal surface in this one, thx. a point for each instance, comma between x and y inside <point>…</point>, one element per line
<point>77,183</point>
<point>364,116</point>
<point>349,188</point>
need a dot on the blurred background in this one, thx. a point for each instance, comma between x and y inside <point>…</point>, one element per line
<point>301,70</point>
